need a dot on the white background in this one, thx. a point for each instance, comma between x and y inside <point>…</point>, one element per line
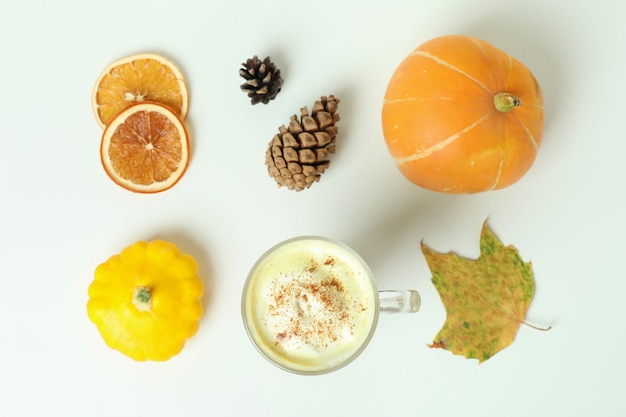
<point>61,215</point>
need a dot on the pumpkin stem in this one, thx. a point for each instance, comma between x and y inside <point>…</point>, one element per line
<point>505,102</point>
<point>142,298</point>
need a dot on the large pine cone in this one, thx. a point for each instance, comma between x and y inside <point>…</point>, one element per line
<point>263,81</point>
<point>297,155</point>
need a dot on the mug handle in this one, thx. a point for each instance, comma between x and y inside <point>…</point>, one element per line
<point>399,301</point>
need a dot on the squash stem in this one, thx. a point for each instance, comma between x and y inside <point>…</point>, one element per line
<point>142,298</point>
<point>505,102</point>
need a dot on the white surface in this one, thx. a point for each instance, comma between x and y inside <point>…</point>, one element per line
<point>61,216</point>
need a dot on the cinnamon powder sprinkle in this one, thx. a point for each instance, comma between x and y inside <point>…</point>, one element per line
<point>318,311</point>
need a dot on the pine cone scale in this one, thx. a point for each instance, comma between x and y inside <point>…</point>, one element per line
<point>290,155</point>
<point>324,119</point>
<point>307,140</point>
<point>322,167</point>
<point>294,125</point>
<point>294,168</point>
<point>290,141</point>
<point>309,124</point>
<point>322,138</point>
<point>306,156</point>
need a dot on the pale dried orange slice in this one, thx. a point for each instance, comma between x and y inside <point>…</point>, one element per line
<point>137,78</point>
<point>145,148</point>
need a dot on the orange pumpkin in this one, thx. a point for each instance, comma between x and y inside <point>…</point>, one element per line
<point>461,116</point>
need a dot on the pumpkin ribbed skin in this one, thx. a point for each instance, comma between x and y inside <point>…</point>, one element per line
<point>441,125</point>
<point>145,300</point>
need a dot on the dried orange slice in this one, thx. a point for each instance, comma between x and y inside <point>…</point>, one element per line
<point>137,78</point>
<point>145,148</point>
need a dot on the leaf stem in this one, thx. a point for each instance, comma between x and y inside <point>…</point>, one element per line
<point>532,326</point>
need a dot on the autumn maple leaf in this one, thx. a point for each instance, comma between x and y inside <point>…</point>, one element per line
<point>486,299</point>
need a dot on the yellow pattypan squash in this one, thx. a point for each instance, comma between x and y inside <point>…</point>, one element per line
<point>145,301</point>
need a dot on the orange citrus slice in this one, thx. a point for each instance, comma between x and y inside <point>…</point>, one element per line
<point>137,78</point>
<point>145,148</point>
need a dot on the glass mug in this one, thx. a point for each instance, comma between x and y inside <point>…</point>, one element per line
<point>310,305</point>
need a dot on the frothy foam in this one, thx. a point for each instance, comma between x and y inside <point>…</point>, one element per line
<point>310,305</point>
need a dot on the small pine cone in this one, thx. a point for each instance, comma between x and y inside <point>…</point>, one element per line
<point>263,81</point>
<point>297,155</point>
